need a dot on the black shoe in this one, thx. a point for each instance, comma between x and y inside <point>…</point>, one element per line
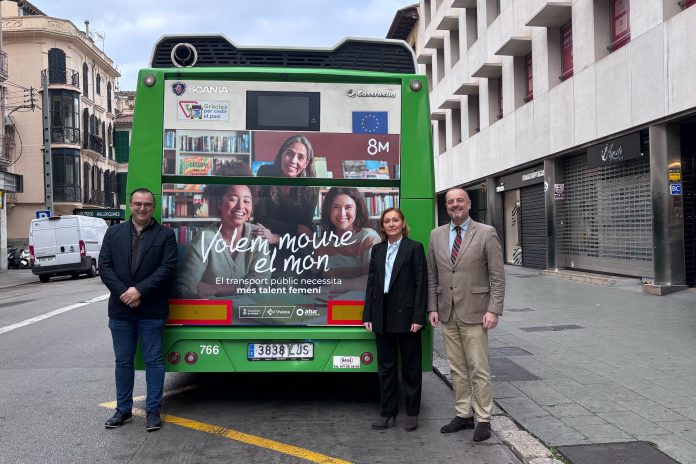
<point>411,423</point>
<point>383,422</point>
<point>153,422</point>
<point>457,424</point>
<point>483,431</point>
<point>118,419</point>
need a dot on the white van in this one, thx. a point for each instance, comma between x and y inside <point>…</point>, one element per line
<point>65,245</point>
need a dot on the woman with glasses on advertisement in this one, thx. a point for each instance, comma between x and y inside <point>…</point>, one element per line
<point>224,250</point>
<point>283,209</point>
<point>395,307</point>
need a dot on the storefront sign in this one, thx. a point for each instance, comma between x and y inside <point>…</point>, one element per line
<point>675,188</point>
<point>559,191</point>
<point>614,151</point>
<point>101,213</point>
<point>675,175</point>
<point>517,180</point>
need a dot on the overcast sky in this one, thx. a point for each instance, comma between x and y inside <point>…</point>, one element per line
<point>131,27</point>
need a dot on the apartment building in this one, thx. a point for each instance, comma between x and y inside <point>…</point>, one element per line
<point>75,125</point>
<point>572,125</point>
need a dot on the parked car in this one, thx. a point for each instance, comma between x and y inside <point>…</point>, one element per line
<point>65,245</point>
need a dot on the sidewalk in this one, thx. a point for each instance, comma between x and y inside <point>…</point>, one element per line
<point>15,277</point>
<point>577,364</point>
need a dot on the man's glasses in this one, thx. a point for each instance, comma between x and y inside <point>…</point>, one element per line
<point>138,204</point>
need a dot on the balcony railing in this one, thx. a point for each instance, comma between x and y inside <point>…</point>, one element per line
<point>3,65</point>
<point>65,135</point>
<point>96,143</point>
<point>62,76</point>
<point>69,193</point>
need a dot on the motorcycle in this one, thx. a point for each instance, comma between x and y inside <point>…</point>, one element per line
<point>18,258</point>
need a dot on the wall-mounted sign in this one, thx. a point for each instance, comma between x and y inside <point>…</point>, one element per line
<point>614,151</point>
<point>100,213</point>
<point>520,179</point>
<point>559,191</point>
<point>675,188</point>
<point>675,175</point>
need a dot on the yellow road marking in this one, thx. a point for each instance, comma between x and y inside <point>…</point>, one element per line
<point>240,437</point>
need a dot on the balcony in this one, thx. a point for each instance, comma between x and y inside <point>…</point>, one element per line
<point>96,143</point>
<point>62,76</point>
<point>3,65</point>
<point>69,135</point>
<point>67,193</point>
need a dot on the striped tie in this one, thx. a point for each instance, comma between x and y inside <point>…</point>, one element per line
<point>457,243</point>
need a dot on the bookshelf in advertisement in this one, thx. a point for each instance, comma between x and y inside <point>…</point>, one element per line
<point>185,210</point>
<point>203,152</point>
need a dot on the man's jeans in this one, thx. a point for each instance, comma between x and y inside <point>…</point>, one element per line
<point>125,334</point>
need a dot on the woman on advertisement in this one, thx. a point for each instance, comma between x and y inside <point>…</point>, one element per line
<point>226,250</point>
<point>395,307</point>
<point>344,211</point>
<point>283,209</point>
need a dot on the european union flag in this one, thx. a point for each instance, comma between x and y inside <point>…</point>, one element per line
<point>370,122</point>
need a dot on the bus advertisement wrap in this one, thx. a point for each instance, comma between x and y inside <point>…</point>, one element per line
<point>280,255</point>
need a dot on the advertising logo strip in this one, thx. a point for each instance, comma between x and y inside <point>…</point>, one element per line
<point>345,312</point>
<point>200,312</point>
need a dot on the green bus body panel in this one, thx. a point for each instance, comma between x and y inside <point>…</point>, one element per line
<point>416,200</point>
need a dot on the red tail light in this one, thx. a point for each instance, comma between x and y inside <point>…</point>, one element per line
<point>31,251</point>
<point>83,250</point>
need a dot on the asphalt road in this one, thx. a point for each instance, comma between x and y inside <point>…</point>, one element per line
<point>56,380</point>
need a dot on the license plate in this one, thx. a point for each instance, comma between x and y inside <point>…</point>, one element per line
<point>45,261</point>
<point>280,351</point>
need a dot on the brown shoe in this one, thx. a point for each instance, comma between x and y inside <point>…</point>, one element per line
<point>411,423</point>
<point>383,422</point>
<point>457,424</point>
<point>483,431</point>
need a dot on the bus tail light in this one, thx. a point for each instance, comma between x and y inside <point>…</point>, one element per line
<point>366,358</point>
<point>173,357</point>
<point>191,358</point>
<point>83,250</point>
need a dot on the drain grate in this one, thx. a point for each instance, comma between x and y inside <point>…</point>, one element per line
<point>637,452</point>
<point>518,310</point>
<point>525,276</point>
<point>504,370</point>
<point>505,351</point>
<point>551,328</point>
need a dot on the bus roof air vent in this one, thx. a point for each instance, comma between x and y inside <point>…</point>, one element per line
<point>381,55</point>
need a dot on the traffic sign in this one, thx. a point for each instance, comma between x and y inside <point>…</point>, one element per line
<point>43,214</point>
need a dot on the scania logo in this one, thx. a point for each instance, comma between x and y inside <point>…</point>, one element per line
<point>352,93</point>
<point>208,89</point>
<point>178,88</point>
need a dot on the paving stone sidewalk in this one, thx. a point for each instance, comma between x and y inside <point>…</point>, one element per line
<point>580,364</point>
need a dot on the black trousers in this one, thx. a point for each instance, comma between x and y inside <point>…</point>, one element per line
<point>388,346</point>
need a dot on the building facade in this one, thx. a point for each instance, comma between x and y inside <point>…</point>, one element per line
<point>572,125</point>
<point>72,117</point>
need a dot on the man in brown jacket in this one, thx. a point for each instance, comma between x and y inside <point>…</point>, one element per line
<point>466,287</point>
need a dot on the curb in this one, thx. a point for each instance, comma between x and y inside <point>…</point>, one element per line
<point>524,445</point>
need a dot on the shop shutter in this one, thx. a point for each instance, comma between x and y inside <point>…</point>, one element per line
<point>605,221</point>
<point>533,222</point>
<point>689,198</point>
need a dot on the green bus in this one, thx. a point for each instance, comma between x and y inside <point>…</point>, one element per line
<point>272,166</point>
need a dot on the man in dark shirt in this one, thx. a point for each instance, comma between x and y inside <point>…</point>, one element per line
<point>137,259</point>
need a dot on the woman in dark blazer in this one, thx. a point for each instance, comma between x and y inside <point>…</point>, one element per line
<point>395,307</point>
